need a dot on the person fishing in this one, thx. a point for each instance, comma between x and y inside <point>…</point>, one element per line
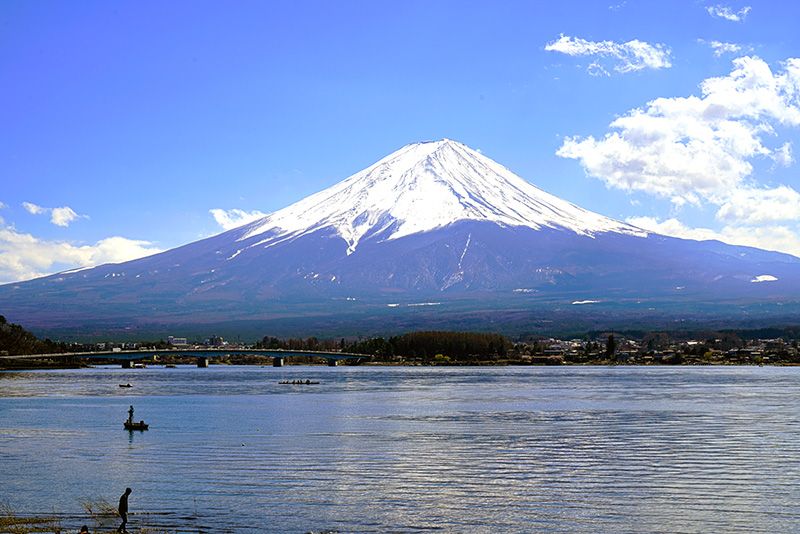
<point>123,502</point>
<point>130,414</point>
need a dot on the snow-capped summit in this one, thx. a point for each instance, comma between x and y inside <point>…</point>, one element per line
<point>422,187</point>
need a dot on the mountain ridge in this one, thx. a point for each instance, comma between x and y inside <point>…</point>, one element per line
<point>432,233</point>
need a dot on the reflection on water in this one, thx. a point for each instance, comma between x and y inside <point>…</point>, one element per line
<point>586,449</point>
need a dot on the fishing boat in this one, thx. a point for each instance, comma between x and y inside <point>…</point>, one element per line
<point>125,386</point>
<point>130,424</point>
<point>134,425</point>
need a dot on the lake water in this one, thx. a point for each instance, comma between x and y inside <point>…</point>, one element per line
<point>390,449</point>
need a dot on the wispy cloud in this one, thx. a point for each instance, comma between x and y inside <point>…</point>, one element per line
<point>233,218</point>
<point>24,256</point>
<point>32,208</point>
<point>624,57</point>
<point>721,11</point>
<point>62,216</point>
<point>721,48</point>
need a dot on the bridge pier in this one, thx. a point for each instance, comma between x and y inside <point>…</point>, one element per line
<point>127,364</point>
<point>202,362</point>
<point>332,362</point>
<point>277,361</point>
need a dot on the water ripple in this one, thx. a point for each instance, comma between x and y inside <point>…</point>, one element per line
<point>411,449</point>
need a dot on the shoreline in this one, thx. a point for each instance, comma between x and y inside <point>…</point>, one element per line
<point>594,363</point>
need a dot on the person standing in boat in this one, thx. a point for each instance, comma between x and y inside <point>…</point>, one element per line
<point>123,503</point>
<point>130,414</point>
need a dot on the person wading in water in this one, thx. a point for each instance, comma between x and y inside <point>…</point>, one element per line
<point>123,509</point>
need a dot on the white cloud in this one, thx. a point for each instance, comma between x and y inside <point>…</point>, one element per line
<point>673,227</point>
<point>701,150</point>
<point>783,154</point>
<point>759,206</point>
<point>725,12</point>
<point>780,238</point>
<point>24,256</point>
<point>230,219</point>
<point>3,205</point>
<point>764,278</point>
<point>62,216</point>
<point>596,69</point>
<point>724,48</point>
<point>33,208</point>
<point>694,149</point>
<point>630,56</point>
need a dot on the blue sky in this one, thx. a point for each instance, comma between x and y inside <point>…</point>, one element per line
<point>124,124</point>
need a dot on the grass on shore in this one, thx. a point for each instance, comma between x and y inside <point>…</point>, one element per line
<point>14,524</point>
<point>101,517</point>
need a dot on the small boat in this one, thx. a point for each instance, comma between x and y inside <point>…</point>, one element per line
<point>298,383</point>
<point>125,386</point>
<point>170,366</point>
<point>133,425</point>
<point>130,424</point>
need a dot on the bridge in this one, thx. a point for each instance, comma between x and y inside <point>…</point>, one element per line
<point>203,355</point>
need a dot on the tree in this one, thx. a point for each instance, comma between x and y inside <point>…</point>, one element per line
<point>611,346</point>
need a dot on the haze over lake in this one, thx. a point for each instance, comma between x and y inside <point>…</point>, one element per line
<point>377,449</point>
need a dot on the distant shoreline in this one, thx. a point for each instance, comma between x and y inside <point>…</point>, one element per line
<point>599,363</point>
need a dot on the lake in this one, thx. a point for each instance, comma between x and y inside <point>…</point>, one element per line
<point>410,449</point>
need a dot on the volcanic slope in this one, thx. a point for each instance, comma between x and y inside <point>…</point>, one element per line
<point>433,234</point>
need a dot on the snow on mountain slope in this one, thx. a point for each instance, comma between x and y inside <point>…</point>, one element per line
<point>421,187</point>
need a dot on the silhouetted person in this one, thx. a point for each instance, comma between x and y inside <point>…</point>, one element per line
<point>123,508</point>
<point>130,414</point>
<point>84,530</point>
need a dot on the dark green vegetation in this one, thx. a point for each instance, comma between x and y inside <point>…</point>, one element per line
<point>16,340</point>
<point>415,346</point>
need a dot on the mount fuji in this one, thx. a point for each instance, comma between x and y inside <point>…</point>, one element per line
<point>433,235</point>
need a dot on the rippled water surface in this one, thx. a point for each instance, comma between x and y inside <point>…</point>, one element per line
<point>382,449</point>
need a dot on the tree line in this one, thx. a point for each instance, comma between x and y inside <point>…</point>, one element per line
<point>16,340</point>
<point>458,346</point>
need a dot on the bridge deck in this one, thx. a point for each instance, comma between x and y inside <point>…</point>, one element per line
<point>205,352</point>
